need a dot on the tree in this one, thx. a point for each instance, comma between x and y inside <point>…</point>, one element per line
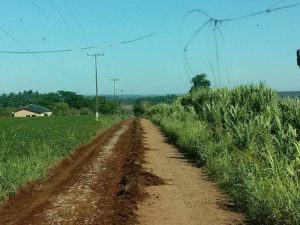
<point>86,111</point>
<point>62,109</point>
<point>108,107</point>
<point>200,81</point>
<point>74,100</point>
<point>141,106</point>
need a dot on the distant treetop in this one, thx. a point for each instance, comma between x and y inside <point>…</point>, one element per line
<point>200,81</point>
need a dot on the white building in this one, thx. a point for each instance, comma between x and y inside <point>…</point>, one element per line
<point>32,110</point>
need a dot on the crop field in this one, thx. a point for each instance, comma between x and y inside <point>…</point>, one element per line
<point>29,146</point>
<point>247,139</point>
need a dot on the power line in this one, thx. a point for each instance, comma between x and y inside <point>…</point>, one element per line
<point>217,58</point>
<point>186,68</point>
<point>212,69</point>
<point>188,65</point>
<point>195,34</point>
<point>42,13</point>
<point>35,52</point>
<point>11,37</point>
<point>73,16</point>
<point>186,60</point>
<point>298,57</point>
<point>278,3</point>
<point>64,50</point>
<point>219,21</point>
<point>139,38</point>
<point>259,13</point>
<point>40,10</point>
<point>268,10</point>
<point>63,19</point>
<point>78,49</point>
<point>171,8</point>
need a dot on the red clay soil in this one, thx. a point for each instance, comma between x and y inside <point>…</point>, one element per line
<point>134,179</point>
<point>95,185</point>
<point>111,181</point>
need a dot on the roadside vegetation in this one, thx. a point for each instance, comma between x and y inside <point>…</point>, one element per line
<point>141,105</point>
<point>247,138</point>
<point>30,146</point>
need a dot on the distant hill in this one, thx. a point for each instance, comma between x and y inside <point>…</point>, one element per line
<point>132,98</point>
<point>291,94</point>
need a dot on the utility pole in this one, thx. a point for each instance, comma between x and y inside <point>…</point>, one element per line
<point>122,91</point>
<point>96,74</point>
<point>115,80</point>
<point>298,57</point>
<point>121,96</point>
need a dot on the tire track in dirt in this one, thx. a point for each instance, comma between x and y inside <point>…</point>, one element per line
<point>79,199</point>
<point>84,188</point>
<point>34,197</point>
<point>105,183</point>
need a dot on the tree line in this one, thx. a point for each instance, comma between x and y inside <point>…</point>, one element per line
<point>71,103</point>
<point>60,103</point>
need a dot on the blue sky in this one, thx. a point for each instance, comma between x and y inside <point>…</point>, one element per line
<point>261,48</point>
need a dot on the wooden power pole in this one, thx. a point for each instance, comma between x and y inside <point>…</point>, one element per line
<point>96,74</point>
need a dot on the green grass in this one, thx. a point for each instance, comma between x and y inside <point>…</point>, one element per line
<point>248,141</point>
<point>29,146</point>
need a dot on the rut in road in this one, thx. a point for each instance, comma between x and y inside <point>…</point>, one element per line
<point>98,184</point>
<point>80,200</point>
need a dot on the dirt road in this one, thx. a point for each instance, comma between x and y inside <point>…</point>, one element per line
<point>188,197</point>
<point>83,189</point>
<point>115,180</point>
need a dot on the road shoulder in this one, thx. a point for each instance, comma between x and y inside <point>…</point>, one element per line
<point>188,197</point>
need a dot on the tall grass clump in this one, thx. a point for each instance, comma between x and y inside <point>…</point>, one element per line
<point>248,140</point>
<point>29,146</point>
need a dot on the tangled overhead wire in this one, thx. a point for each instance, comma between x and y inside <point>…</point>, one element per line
<point>216,22</point>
